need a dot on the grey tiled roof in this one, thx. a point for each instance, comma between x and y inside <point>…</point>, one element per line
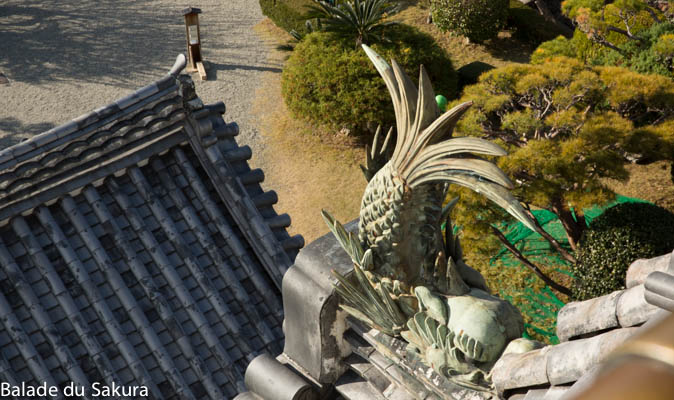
<point>589,330</point>
<point>334,351</point>
<point>137,246</point>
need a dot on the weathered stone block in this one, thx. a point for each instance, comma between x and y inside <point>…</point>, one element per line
<point>570,360</point>
<point>377,379</point>
<point>632,307</point>
<point>398,393</point>
<point>521,370</point>
<point>659,290</point>
<point>578,318</point>
<point>555,392</point>
<point>314,324</point>
<point>639,270</point>
<point>269,379</point>
<point>352,387</point>
<point>247,396</point>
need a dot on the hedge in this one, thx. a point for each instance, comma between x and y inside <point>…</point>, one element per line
<point>329,82</point>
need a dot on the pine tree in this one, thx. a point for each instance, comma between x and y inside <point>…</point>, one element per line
<point>566,127</point>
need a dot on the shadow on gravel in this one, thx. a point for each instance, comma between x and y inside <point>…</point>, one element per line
<point>214,68</point>
<point>14,125</point>
<point>20,131</point>
<point>56,40</point>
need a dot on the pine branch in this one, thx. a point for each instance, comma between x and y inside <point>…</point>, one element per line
<point>539,273</point>
<point>573,227</point>
<point>603,42</point>
<point>558,246</point>
<point>624,32</point>
<point>653,15</point>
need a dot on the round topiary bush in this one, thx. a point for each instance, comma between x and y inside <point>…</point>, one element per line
<point>478,20</point>
<point>328,81</point>
<point>615,239</point>
<point>286,14</point>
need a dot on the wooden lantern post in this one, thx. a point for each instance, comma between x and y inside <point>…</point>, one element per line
<point>195,62</point>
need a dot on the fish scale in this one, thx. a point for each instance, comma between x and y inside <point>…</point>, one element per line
<point>399,227</point>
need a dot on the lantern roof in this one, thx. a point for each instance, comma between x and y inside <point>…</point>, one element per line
<point>191,10</point>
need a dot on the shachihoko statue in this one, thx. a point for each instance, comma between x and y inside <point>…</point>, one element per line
<point>409,277</point>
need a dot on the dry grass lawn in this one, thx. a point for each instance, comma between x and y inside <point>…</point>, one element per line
<point>650,182</point>
<point>311,170</point>
<point>503,50</point>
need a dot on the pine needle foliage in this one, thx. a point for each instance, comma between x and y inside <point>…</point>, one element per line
<point>634,34</point>
<point>566,126</point>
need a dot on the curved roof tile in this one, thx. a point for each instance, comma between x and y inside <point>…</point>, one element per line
<point>137,247</point>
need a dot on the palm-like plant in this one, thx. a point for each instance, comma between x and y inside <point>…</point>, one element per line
<point>298,36</point>
<point>362,19</point>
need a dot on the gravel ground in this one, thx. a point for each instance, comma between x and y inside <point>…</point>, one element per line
<point>64,58</point>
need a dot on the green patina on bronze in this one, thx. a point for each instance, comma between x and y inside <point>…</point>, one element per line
<point>409,277</point>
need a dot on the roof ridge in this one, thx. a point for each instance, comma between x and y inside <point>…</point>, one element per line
<point>13,153</point>
<point>93,145</point>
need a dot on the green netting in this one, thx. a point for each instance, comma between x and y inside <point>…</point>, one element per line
<point>543,306</point>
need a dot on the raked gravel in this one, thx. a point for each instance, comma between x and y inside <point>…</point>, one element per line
<point>64,58</point>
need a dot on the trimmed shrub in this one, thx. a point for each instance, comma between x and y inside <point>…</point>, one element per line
<point>615,239</point>
<point>529,24</point>
<point>286,14</point>
<point>478,20</point>
<point>327,81</point>
<point>578,47</point>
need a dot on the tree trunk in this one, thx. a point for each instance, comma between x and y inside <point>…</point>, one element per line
<point>533,267</point>
<point>539,228</point>
<point>574,228</point>
<point>547,14</point>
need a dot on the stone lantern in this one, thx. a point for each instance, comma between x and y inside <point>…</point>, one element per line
<point>195,62</point>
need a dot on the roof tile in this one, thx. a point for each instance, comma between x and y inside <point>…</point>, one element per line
<point>135,257</point>
<point>632,308</point>
<point>582,317</point>
<point>570,360</point>
<point>521,370</point>
<point>639,269</point>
